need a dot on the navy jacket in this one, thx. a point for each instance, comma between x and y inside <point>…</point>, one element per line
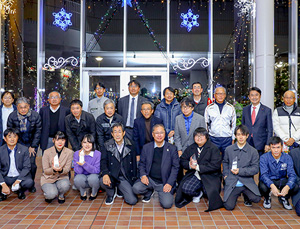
<point>271,170</point>
<point>169,165</point>
<point>45,116</point>
<point>124,104</point>
<point>1,126</point>
<point>139,131</point>
<point>262,129</point>
<point>34,128</point>
<point>22,162</point>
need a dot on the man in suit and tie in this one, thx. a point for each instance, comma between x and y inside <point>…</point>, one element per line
<point>129,107</point>
<point>53,119</point>
<point>14,166</point>
<point>158,168</point>
<point>142,128</point>
<point>258,118</point>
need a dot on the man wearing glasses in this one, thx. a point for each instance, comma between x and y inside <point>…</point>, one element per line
<point>286,121</point>
<point>158,169</point>
<point>95,106</point>
<point>53,119</point>
<point>220,119</point>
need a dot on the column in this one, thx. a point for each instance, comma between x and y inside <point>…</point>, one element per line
<point>264,63</point>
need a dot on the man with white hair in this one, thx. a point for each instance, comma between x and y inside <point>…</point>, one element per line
<point>286,121</point>
<point>220,118</point>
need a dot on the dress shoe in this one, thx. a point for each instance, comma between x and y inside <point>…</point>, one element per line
<point>83,198</point>
<point>32,190</point>
<point>92,197</point>
<point>3,197</point>
<point>21,195</point>
<point>61,201</point>
<point>49,201</point>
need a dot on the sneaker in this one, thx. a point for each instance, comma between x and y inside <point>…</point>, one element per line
<point>196,199</point>
<point>147,199</point>
<point>247,203</point>
<point>110,199</point>
<point>267,203</point>
<point>285,203</point>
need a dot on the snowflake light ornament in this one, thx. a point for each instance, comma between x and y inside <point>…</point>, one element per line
<point>128,2</point>
<point>62,19</point>
<point>247,8</point>
<point>189,20</point>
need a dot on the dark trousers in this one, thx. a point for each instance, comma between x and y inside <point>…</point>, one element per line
<point>236,192</point>
<point>297,208</point>
<point>33,166</point>
<point>280,183</point>
<point>124,186</point>
<point>129,133</point>
<point>24,184</point>
<point>222,143</point>
<point>251,142</point>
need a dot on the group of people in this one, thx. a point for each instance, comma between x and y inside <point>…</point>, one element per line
<point>135,149</point>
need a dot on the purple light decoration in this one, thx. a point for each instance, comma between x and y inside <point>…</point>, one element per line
<point>189,20</point>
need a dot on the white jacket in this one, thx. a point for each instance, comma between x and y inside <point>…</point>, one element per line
<point>220,125</point>
<point>287,126</point>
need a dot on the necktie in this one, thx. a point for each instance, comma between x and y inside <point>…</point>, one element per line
<point>132,112</point>
<point>253,116</point>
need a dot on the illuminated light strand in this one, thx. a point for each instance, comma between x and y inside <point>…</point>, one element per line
<point>62,19</point>
<point>60,62</point>
<point>189,20</point>
<point>6,5</point>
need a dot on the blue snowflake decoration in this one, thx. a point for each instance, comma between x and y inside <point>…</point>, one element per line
<point>62,19</point>
<point>128,2</point>
<point>189,20</point>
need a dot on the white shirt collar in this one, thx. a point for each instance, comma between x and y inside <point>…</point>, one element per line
<point>55,109</point>
<point>257,106</point>
<point>157,146</point>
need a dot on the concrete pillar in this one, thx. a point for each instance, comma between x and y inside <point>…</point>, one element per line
<point>265,50</point>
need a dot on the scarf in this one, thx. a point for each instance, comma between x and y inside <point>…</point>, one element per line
<point>22,120</point>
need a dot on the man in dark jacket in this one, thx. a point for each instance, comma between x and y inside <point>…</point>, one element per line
<point>142,128</point>
<point>295,154</point>
<point>53,119</point>
<point>199,99</point>
<point>277,174</point>
<point>78,124</point>
<point>159,166</point>
<point>202,160</point>
<point>118,166</point>
<point>14,166</point>
<point>29,124</point>
<point>240,164</point>
<point>105,121</point>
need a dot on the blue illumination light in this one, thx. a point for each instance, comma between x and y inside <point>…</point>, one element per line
<point>128,2</point>
<point>189,20</point>
<point>62,19</point>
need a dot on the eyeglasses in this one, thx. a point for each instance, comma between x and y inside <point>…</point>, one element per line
<point>99,88</point>
<point>199,136</point>
<point>7,98</point>
<point>146,109</point>
<point>219,93</point>
<point>54,97</point>
<point>158,133</point>
<point>289,98</point>
<point>186,107</point>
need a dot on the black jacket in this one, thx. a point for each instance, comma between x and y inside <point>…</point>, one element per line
<point>22,162</point>
<point>103,128</point>
<point>33,135</point>
<point>210,173</point>
<point>45,117</point>
<point>76,131</point>
<point>200,107</point>
<point>111,161</point>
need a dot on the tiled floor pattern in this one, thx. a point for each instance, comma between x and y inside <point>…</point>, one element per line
<point>33,212</point>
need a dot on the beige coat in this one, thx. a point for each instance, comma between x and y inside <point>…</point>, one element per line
<point>65,160</point>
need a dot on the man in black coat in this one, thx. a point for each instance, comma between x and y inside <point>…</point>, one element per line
<point>142,128</point>
<point>14,166</point>
<point>129,106</point>
<point>78,124</point>
<point>118,166</point>
<point>29,124</point>
<point>105,121</point>
<point>202,160</point>
<point>159,166</point>
<point>199,98</point>
<point>53,119</point>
